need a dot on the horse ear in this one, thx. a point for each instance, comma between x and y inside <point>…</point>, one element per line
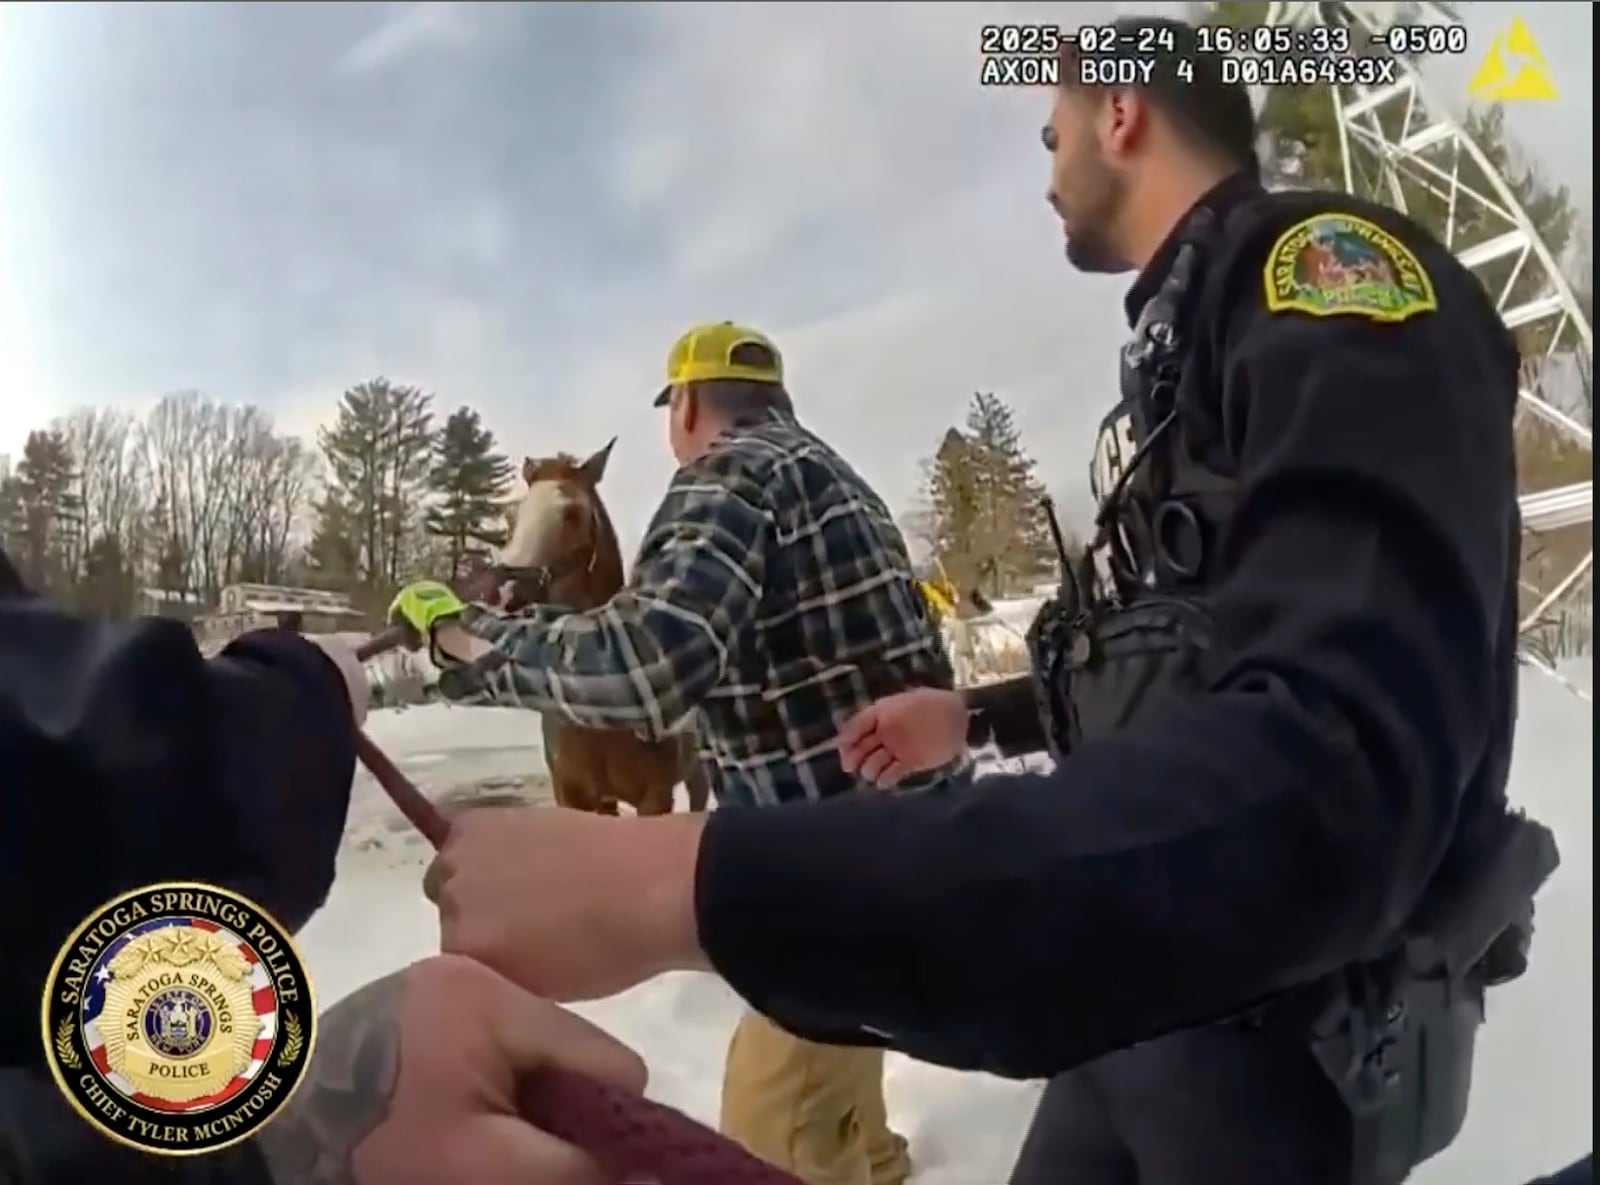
<point>527,471</point>
<point>595,467</point>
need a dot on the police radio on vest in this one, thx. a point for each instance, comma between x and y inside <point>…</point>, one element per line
<point>1115,71</point>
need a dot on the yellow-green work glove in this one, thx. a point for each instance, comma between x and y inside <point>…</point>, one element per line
<point>423,605</point>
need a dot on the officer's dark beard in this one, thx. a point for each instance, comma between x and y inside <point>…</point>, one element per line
<point>1097,193</point>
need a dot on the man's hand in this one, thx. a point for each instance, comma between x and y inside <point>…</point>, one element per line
<point>904,734</point>
<point>568,904</point>
<point>414,1079</point>
<point>423,605</point>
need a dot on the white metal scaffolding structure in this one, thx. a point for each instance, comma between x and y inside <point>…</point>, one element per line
<point>1397,131</point>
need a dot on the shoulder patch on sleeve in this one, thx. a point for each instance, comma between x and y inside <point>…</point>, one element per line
<point>1335,264</point>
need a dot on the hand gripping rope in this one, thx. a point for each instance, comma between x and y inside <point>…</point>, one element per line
<point>635,1141</point>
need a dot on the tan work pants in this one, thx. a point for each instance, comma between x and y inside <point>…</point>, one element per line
<point>816,1110</point>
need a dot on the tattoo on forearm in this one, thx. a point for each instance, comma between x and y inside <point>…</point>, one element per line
<point>347,1091</point>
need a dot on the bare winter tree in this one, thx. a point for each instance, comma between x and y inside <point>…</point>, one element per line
<point>104,554</point>
<point>226,492</point>
<point>261,493</point>
<point>172,434</point>
<point>197,495</point>
<point>248,445</point>
<point>269,489</point>
<point>214,495</point>
<point>110,489</point>
<point>291,478</point>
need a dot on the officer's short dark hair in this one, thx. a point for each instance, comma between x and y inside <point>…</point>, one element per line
<point>744,401</point>
<point>1185,84</point>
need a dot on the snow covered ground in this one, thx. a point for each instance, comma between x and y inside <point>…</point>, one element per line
<point>995,645</point>
<point>1532,1103</point>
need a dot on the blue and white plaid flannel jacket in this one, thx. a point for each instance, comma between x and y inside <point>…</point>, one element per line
<point>772,594</point>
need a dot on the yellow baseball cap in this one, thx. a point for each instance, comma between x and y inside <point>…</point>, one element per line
<point>709,352</point>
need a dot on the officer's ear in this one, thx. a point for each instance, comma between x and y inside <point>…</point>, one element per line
<point>1124,121</point>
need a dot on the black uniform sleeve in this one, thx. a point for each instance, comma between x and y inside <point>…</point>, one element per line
<point>1223,846</point>
<point>1007,715</point>
<point>43,1142</point>
<point>128,758</point>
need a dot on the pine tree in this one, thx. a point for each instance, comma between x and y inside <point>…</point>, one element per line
<point>984,499</point>
<point>1009,494</point>
<point>49,513</point>
<point>162,542</point>
<point>470,480</point>
<point>107,586</point>
<point>951,492</point>
<point>409,456</point>
<point>378,453</point>
<point>333,557</point>
<point>13,526</point>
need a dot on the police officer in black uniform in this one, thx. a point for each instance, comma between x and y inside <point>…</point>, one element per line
<point>1304,573</point>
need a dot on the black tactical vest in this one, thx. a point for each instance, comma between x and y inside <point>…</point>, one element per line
<point>1127,621</point>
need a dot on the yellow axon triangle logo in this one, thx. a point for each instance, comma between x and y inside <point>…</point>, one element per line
<point>1512,69</point>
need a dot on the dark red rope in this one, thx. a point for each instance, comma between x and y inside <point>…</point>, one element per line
<point>631,1138</point>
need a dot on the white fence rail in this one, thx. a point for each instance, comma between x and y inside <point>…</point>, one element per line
<point>1550,510</point>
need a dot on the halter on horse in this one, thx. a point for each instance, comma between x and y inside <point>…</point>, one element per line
<point>563,551</point>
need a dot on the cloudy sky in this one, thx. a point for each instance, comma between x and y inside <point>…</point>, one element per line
<point>519,207</point>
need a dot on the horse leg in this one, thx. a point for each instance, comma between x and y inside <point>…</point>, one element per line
<point>572,789</point>
<point>696,782</point>
<point>566,791</point>
<point>597,782</point>
<point>570,758</point>
<point>563,786</point>
<point>656,801</point>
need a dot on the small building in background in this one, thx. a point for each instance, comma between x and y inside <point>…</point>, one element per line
<point>175,603</point>
<point>244,607</point>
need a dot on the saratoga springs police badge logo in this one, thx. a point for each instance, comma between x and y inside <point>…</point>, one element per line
<point>1336,264</point>
<point>178,1018</point>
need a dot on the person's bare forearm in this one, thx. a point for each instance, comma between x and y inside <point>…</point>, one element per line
<point>666,868</point>
<point>456,642</point>
<point>347,1092</point>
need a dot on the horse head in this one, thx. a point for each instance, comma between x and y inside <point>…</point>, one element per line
<point>560,535</point>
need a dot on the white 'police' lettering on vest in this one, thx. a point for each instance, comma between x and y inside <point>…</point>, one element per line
<point>1113,449</point>
<point>1113,452</point>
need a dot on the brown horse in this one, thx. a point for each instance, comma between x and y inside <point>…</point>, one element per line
<point>563,551</point>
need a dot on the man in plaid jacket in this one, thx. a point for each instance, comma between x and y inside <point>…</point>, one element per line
<point>772,599</point>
